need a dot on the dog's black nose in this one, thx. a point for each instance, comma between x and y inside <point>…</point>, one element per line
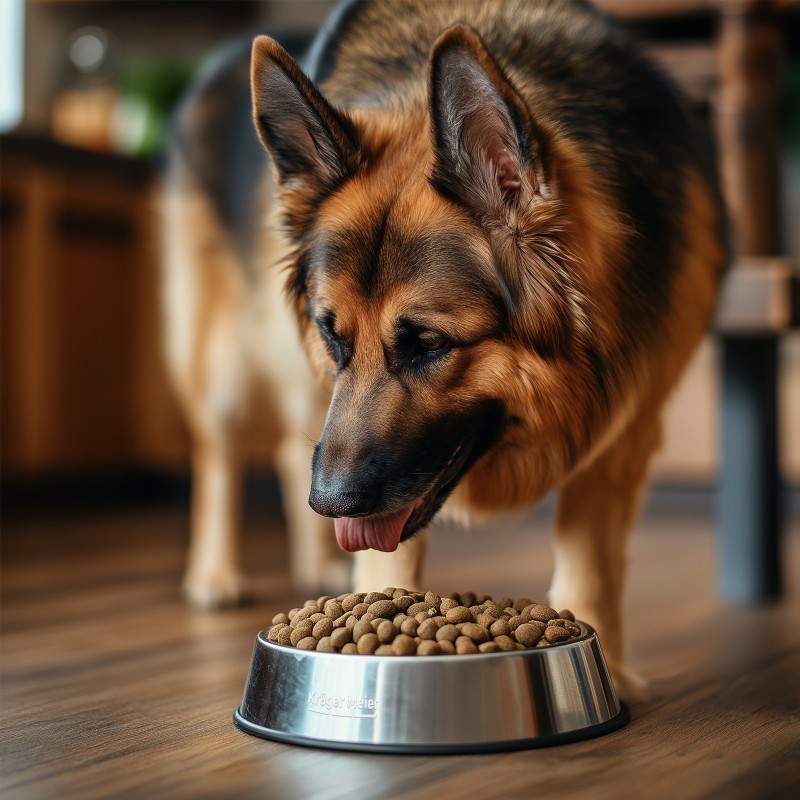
<point>341,504</point>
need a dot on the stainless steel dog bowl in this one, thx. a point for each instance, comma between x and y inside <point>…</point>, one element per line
<point>431,704</point>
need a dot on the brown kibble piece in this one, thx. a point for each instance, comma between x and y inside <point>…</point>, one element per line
<point>573,628</point>
<point>333,609</point>
<point>465,646</point>
<point>447,633</point>
<point>382,608</point>
<point>500,627</point>
<point>280,619</point>
<point>409,626</point>
<point>352,621</point>
<point>304,613</point>
<point>427,629</point>
<point>350,649</point>
<point>541,612</point>
<point>359,610</point>
<point>475,632</point>
<point>404,645</point>
<point>488,647</point>
<point>384,650</point>
<point>485,619</point>
<point>447,604</point>
<point>307,643</point>
<point>368,643</point>
<point>372,597</point>
<point>417,608</point>
<point>322,628</point>
<point>301,630</point>
<point>350,601</point>
<point>566,614</point>
<point>458,614</point>
<point>386,631</point>
<point>447,648</point>
<point>528,634</point>
<point>555,634</point>
<point>505,642</point>
<point>361,628</point>
<point>325,645</point>
<point>433,598</point>
<point>285,636</point>
<point>272,635</point>
<point>341,636</point>
<point>521,603</point>
<point>427,647</point>
<point>404,603</point>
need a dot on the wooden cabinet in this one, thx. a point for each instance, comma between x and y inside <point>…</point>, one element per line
<point>81,378</point>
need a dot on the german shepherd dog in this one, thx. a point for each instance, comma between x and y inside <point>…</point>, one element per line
<point>503,238</point>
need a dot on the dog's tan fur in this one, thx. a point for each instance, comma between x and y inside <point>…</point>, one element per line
<point>226,336</point>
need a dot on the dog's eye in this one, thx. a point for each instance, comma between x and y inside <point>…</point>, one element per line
<point>431,341</point>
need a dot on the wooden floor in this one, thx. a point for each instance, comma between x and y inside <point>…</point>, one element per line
<point>111,687</point>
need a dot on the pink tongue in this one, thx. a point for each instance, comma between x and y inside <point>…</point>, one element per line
<point>378,533</point>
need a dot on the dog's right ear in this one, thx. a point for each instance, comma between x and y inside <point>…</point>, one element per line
<point>315,147</point>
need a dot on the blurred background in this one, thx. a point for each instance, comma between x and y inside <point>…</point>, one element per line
<point>88,88</point>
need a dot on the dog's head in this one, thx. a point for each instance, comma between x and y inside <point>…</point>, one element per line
<point>428,256</point>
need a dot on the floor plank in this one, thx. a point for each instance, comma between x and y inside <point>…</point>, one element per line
<point>111,687</point>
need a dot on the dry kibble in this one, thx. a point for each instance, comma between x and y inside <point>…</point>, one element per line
<point>285,636</point>
<point>555,634</point>
<point>528,634</point>
<point>500,627</point>
<point>275,630</point>
<point>447,604</point>
<point>374,596</point>
<point>368,643</point>
<point>447,633</point>
<point>542,613</point>
<point>382,608</point>
<point>359,610</point>
<point>350,601</point>
<point>333,609</point>
<point>361,628</point>
<point>458,614</point>
<point>301,630</point>
<point>427,629</point>
<point>465,646</point>
<point>341,636</point>
<point>404,603</point>
<point>386,631</point>
<point>475,632</point>
<point>503,642</point>
<point>404,645</point>
<point>322,628</point>
<point>427,647</point>
<point>397,622</point>
<point>447,648</point>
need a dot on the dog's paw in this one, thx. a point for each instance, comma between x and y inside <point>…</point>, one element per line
<point>208,591</point>
<point>630,686</point>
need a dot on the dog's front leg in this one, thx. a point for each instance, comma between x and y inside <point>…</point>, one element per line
<point>596,509</point>
<point>213,576</point>
<point>373,571</point>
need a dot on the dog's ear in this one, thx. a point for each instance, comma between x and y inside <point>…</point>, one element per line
<point>481,128</point>
<point>314,146</point>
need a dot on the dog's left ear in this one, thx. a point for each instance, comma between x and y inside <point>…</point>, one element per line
<point>314,146</point>
<point>481,127</point>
